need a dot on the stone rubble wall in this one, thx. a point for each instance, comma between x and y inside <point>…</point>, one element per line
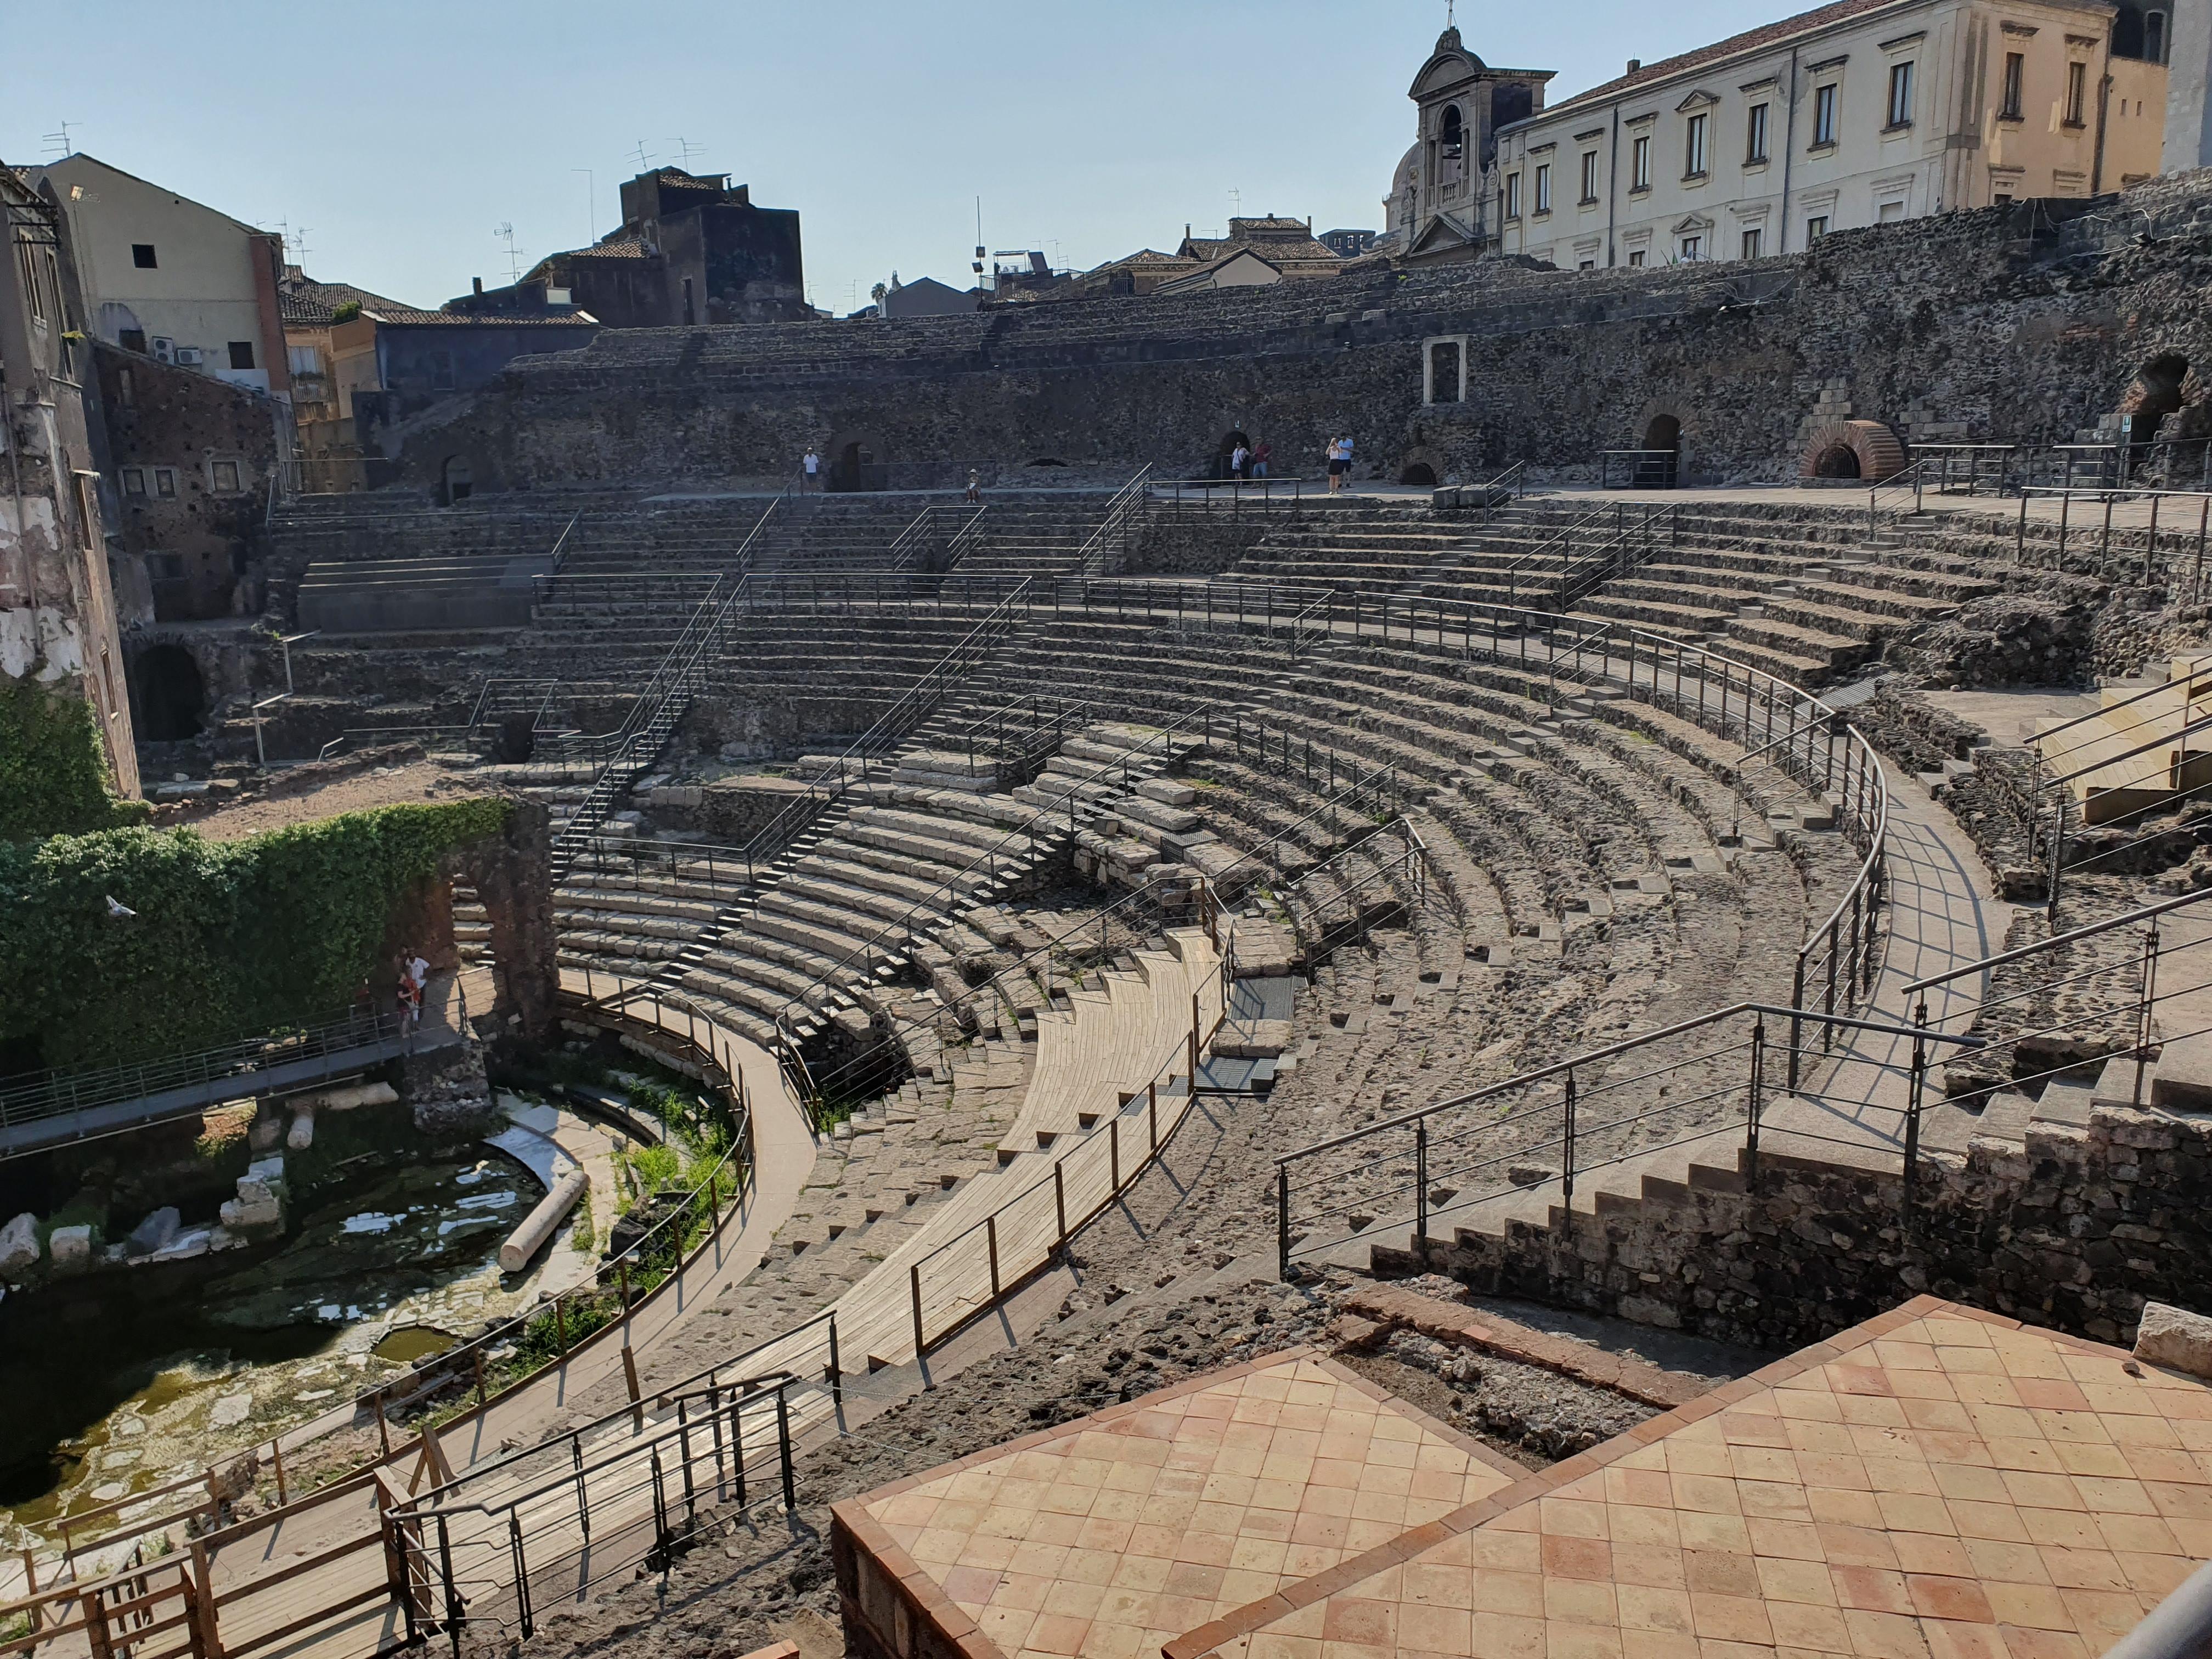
<point>2075,1231</point>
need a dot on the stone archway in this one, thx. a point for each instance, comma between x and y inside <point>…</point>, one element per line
<point>1418,472</point>
<point>856,463</point>
<point>1866,450</point>
<point>2161,387</point>
<point>456,480</point>
<point>1659,464</point>
<point>1232,441</point>
<point>169,697</point>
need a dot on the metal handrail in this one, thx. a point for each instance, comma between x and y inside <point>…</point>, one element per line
<point>2057,941</point>
<point>966,537</point>
<point>1119,511</point>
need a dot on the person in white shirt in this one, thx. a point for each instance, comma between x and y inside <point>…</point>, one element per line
<point>1238,457</point>
<point>1335,464</point>
<point>812,464</point>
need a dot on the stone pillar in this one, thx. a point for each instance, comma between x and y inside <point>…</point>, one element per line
<point>513,878</point>
<point>2188,110</point>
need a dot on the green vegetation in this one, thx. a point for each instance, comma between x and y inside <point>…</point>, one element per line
<point>53,768</point>
<point>227,938</point>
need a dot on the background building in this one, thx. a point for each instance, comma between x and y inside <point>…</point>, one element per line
<point>1433,214</point>
<point>57,614</point>
<point>1861,112</point>
<point>164,276</point>
<point>692,248</point>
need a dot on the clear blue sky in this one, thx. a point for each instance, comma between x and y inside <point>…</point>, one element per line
<point>401,134</point>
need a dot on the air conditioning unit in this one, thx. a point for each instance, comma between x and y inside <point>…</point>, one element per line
<point>163,348</point>
<point>188,357</point>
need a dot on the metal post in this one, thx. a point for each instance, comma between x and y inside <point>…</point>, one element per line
<point>914,1290</point>
<point>991,1244</point>
<point>1567,1173</point>
<point>1796,1021</point>
<point>1153,1114</point>
<point>1758,1076</point>
<point>521,1573</point>
<point>783,1447</point>
<point>1114,1152</point>
<point>453,1604</point>
<point>1283,1220</point>
<point>2149,996</point>
<point>1060,1206</point>
<point>583,1508</point>
<point>1421,1189</point>
<point>1919,1078</point>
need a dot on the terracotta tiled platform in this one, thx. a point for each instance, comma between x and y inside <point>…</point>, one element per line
<point>1937,1484</point>
<point>1111,1536</point>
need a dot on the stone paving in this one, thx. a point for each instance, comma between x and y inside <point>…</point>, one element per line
<point>1113,1534</point>
<point>1938,1483</point>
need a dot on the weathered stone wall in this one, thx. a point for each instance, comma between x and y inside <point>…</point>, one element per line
<point>2077,1232</point>
<point>2003,323</point>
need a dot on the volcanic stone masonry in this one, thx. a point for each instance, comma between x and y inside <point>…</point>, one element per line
<point>2023,323</point>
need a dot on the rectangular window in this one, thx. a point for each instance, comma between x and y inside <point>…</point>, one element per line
<point>134,480</point>
<point>1755,139</point>
<point>28,271</point>
<point>304,359</point>
<point>1815,228</point>
<point>1589,176</point>
<point>241,354</point>
<point>165,482</point>
<point>1693,249</point>
<point>1587,264</point>
<point>1639,163</point>
<point>1824,115</point>
<point>1635,256</point>
<point>2077,92</point>
<point>225,475</point>
<point>1513,196</point>
<point>141,255</point>
<point>1751,239</point>
<point>131,339</point>
<point>1544,188</point>
<point>1900,94</point>
<point>2015,76</point>
<point>1693,152</point>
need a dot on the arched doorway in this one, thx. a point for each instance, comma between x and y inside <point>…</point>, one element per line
<point>1660,465</point>
<point>2160,390</point>
<point>1419,472</point>
<point>854,466</point>
<point>1231,441</point>
<point>455,481</point>
<point>170,697</point>
<point>1865,450</point>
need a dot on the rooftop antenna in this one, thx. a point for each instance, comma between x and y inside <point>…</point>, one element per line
<point>978,266</point>
<point>59,142</point>
<point>644,160</point>
<point>686,150</point>
<point>590,204</point>
<point>506,234</point>
<point>1237,197</point>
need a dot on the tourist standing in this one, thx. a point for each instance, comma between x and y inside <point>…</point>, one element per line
<point>1335,465</point>
<point>975,487</point>
<point>810,467</point>
<point>1344,457</point>
<point>1238,457</point>
<point>1260,451</point>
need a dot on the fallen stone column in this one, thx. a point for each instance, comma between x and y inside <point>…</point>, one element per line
<point>538,1226</point>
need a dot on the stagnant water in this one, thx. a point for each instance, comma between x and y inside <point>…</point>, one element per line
<point>128,1377</point>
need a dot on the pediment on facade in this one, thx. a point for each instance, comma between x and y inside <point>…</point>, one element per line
<point>1441,231</point>
<point>1693,225</point>
<point>1450,65</point>
<point>1698,99</point>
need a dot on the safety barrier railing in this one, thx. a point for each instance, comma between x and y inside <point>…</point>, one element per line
<point>487,1552</point>
<point>1968,469</point>
<point>1020,735</point>
<point>908,547</point>
<point>1902,494</point>
<point>913,706</point>
<point>2132,792</point>
<point>1111,539</point>
<point>1631,544</point>
<point>1640,469</point>
<point>1311,626</point>
<point>1375,785</point>
<point>1706,1080</point>
<point>2045,1015</point>
<point>205,1077</point>
<point>1230,497</point>
<point>891,939</point>
<point>1512,483</point>
<point>1324,919</point>
<point>2115,547</point>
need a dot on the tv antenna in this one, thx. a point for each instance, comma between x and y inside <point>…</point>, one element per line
<point>978,266</point>
<point>59,142</point>
<point>644,159</point>
<point>505,233</point>
<point>590,204</point>
<point>687,149</point>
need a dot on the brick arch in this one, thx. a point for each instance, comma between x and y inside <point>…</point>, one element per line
<point>1847,449</point>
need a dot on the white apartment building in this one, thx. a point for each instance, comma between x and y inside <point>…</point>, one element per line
<point>165,275</point>
<point>1857,113</point>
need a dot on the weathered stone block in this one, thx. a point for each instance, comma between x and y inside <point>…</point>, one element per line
<point>19,1243</point>
<point>2174,1338</point>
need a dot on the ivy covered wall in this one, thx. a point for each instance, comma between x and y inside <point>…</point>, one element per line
<point>229,937</point>
<point>53,767</point>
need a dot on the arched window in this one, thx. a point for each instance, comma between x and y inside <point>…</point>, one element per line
<point>2154,36</point>
<point>1451,134</point>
